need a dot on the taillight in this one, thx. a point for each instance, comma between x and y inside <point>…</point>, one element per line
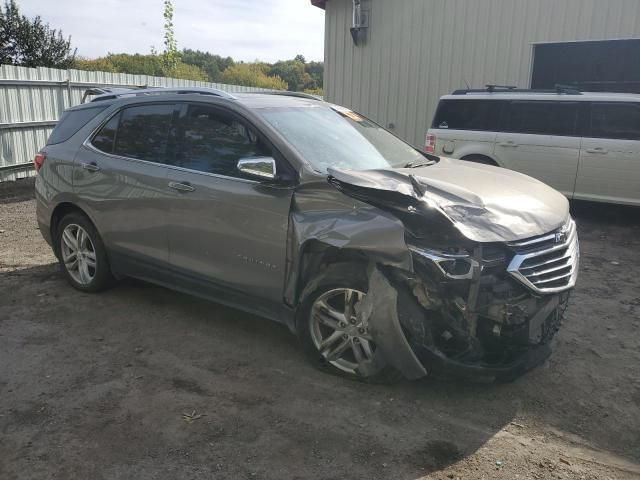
<point>430,143</point>
<point>39,160</point>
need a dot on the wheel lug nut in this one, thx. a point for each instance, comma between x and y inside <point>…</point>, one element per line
<point>361,330</point>
<point>355,340</point>
<point>345,336</point>
<point>342,324</point>
<point>353,321</point>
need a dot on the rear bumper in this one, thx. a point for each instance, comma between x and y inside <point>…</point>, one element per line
<point>43,214</point>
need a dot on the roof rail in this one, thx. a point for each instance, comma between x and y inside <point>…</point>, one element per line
<point>559,89</point>
<point>163,91</point>
<point>287,93</point>
<point>108,90</point>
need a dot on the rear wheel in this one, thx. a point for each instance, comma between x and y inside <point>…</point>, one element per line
<point>82,256</point>
<point>335,337</point>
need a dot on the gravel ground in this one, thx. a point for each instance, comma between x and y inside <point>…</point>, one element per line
<point>141,382</point>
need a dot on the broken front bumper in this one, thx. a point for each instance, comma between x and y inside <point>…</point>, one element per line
<point>409,327</point>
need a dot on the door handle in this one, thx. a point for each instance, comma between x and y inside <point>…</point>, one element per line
<point>508,144</point>
<point>598,150</point>
<point>92,167</point>
<point>182,186</point>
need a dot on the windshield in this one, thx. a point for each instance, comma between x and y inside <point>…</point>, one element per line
<point>339,138</point>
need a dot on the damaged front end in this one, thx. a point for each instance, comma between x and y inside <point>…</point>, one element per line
<point>482,308</point>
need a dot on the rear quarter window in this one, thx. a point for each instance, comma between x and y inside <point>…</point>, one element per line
<point>72,121</point>
<point>468,115</point>
<point>620,121</point>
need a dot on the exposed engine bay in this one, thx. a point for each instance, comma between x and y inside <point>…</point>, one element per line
<point>483,302</point>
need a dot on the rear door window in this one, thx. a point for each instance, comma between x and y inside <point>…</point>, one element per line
<point>615,120</point>
<point>543,118</point>
<point>72,121</point>
<point>468,115</point>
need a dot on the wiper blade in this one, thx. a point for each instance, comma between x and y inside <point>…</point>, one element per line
<point>421,163</point>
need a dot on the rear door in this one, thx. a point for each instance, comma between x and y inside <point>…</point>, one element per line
<point>541,139</point>
<point>610,155</point>
<point>121,180</point>
<point>227,233</point>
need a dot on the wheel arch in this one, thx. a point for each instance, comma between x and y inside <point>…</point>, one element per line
<point>480,158</point>
<point>315,256</point>
<point>58,213</point>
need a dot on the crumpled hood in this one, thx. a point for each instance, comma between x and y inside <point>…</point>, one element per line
<point>485,203</point>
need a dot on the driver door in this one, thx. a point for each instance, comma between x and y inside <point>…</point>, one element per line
<point>227,232</point>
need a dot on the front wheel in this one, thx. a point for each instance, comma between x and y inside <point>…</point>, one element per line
<point>333,332</point>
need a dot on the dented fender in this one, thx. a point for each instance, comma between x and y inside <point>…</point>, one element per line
<point>322,218</point>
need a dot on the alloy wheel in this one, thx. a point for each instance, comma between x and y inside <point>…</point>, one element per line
<point>78,254</point>
<point>341,337</point>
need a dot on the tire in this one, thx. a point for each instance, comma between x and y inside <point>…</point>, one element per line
<point>480,159</point>
<point>327,290</point>
<point>76,229</point>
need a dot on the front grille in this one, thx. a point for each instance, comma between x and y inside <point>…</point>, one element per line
<point>547,263</point>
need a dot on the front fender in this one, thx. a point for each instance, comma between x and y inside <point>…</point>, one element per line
<point>322,219</point>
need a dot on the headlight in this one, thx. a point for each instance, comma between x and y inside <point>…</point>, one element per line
<point>456,266</point>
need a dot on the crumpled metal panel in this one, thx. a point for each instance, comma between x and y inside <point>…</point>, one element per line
<point>319,213</point>
<point>485,203</point>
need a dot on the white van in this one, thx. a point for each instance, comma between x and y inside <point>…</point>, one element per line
<point>586,145</point>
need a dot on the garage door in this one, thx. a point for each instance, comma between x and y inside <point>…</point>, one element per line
<point>597,66</point>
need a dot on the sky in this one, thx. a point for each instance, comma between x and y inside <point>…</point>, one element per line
<point>267,30</point>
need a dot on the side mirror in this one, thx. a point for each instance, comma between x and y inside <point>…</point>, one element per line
<point>258,167</point>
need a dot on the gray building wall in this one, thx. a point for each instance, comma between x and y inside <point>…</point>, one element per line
<point>418,50</point>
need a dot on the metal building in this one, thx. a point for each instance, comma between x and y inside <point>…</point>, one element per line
<point>391,60</point>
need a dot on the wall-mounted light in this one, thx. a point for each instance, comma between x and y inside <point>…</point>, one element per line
<point>359,23</point>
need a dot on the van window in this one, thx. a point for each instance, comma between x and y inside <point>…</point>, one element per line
<point>468,115</point>
<point>72,121</point>
<point>144,131</point>
<point>618,121</point>
<point>543,118</point>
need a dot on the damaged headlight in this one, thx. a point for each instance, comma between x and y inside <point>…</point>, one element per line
<point>456,266</point>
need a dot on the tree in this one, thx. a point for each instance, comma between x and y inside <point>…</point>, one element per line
<point>140,65</point>
<point>293,72</point>
<point>316,70</point>
<point>170,54</point>
<point>31,43</point>
<point>212,65</point>
<point>252,75</point>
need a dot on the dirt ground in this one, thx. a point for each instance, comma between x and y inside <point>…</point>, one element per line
<point>143,383</point>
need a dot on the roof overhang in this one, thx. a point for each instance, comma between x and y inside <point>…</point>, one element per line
<point>319,3</point>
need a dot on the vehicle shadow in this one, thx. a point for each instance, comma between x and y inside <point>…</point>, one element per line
<point>140,372</point>
<point>604,214</point>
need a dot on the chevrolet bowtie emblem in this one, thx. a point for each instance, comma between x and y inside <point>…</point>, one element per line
<point>560,237</point>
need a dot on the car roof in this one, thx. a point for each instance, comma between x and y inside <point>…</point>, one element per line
<point>548,96</point>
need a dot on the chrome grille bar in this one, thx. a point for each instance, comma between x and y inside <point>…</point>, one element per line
<point>549,263</point>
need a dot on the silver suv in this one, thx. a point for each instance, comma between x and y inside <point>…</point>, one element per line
<point>382,259</point>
